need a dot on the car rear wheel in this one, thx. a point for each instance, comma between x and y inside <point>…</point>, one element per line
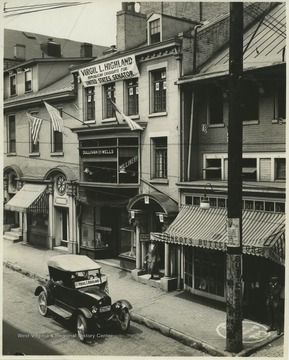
<point>124,320</point>
<point>81,327</point>
<point>42,303</point>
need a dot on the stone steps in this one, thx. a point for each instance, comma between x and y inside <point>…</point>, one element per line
<point>14,235</point>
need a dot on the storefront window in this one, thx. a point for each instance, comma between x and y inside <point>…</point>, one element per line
<point>109,160</point>
<point>204,270</point>
<point>93,234</point>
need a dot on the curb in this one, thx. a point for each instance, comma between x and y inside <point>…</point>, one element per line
<point>164,329</point>
<point>179,336</point>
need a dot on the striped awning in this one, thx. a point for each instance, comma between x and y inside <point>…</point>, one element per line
<point>263,234</point>
<point>31,198</point>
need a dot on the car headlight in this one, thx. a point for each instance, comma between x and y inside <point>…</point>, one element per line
<point>94,309</point>
<point>118,305</point>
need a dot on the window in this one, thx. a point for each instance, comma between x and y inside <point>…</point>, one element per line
<point>57,139</point>
<point>132,94</point>
<point>159,90</point>
<point>110,160</point>
<point>160,158</point>
<point>155,31</point>
<point>250,101</point>
<point>11,134</point>
<point>13,85</point>
<point>109,90</point>
<point>34,148</point>
<point>213,169</point>
<point>28,80</point>
<point>249,169</point>
<point>90,103</point>
<point>215,98</point>
<point>280,166</point>
<point>280,101</point>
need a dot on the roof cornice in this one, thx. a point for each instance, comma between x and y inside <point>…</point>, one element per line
<point>65,95</point>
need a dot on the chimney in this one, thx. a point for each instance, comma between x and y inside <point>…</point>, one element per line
<point>131,27</point>
<point>20,52</point>
<point>86,50</point>
<point>51,48</point>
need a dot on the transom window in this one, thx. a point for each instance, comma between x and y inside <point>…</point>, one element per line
<point>247,204</point>
<point>159,90</point>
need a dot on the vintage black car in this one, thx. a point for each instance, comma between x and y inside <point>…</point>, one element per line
<point>78,291</point>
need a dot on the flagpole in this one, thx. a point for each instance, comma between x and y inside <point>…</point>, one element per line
<point>76,118</point>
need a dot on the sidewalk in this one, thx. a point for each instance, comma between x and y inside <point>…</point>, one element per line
<point>196,322</point>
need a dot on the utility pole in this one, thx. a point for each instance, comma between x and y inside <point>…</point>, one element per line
<point>234,331</point>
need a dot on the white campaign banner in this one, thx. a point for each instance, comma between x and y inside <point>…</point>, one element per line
<point>109,71</point>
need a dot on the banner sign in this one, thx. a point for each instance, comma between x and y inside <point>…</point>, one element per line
<point>109,71</point>
<point>92,152</point>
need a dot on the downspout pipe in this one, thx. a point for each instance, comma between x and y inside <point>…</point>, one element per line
<point>195,47</point>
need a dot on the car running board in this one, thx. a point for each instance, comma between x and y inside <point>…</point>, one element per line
<point>59,311</point>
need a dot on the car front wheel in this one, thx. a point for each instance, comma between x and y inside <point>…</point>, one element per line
<point>42,303</point>
<point>81,327</point>
<point>124,320</point>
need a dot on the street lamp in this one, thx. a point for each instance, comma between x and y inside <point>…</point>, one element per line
<point>205,204</point>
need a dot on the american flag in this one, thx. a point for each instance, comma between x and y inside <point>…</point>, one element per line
<point>35,124</point>
<point>121,116</point>
<point>57,121</point>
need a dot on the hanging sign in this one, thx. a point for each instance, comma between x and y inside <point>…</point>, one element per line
<point>233,232</point>
<point>109,71</point>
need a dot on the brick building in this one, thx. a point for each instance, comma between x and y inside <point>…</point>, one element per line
<point>201,235</point>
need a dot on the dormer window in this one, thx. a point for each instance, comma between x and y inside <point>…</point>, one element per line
<point>13,85</point>
<point>28,80</point>
<point>155,31</point>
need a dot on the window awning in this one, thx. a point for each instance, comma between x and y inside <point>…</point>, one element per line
<point>263,234</point>
<point>31,198</point>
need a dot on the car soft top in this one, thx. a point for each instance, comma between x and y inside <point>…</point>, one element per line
<point>73,263</point>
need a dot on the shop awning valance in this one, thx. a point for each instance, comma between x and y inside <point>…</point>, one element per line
<point>263,233</point>
<point>31,198</point>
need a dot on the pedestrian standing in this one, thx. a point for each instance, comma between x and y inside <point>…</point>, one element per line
<point>152,260</point>
<point>274,304</point>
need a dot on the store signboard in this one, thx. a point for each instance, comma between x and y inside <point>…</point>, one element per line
<point>144,237</point>
<point>109,71</point>
<point>97,151</point>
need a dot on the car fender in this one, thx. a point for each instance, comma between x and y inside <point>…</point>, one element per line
<point>85,312</point>
<point>124,304</point>
<point>41,288</point>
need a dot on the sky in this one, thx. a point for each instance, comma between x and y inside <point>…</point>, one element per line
<point>93,22</point>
